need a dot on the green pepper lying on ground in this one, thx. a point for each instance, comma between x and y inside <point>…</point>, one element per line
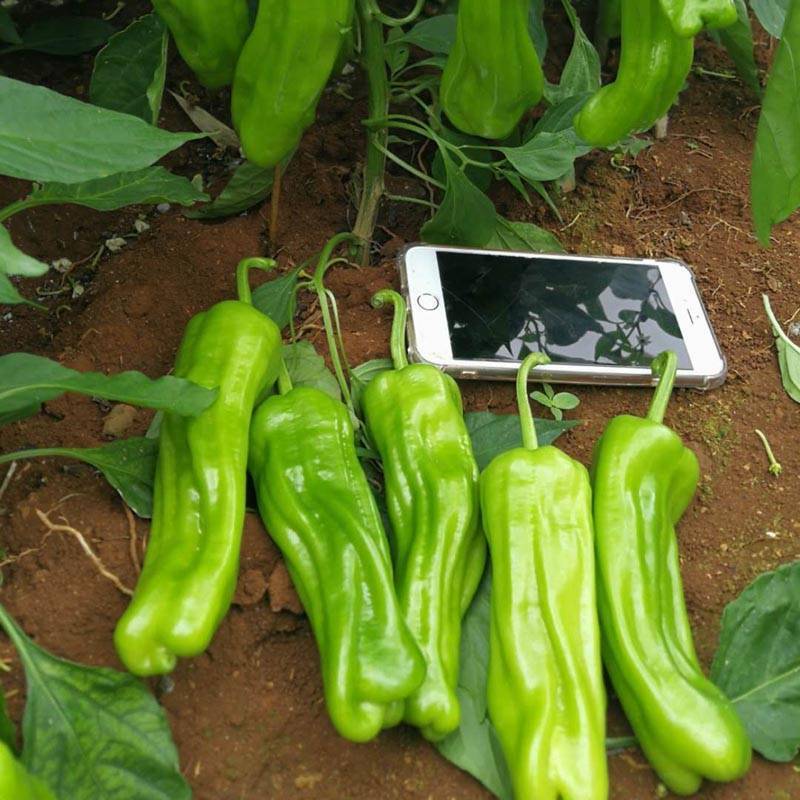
<point>209,35</point>
<point>492,76</point>
<point>415,420</point>
<point>643,479</point>
<point>317,505</point>
<point>283,68</point>
<point>16,783</point>
<point>545,692</point>
<point>192,558</point>
<point>654,63</point>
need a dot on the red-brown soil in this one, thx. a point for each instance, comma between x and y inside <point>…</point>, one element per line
<point>248,716</point>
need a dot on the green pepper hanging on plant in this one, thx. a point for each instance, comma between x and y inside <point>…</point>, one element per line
<point>415,420</point>
<point>192,558</point>
<point>689,17</point>
<point>283,68</point>
<point>317,505</point>
<point>492,76</point>
<point>654,64</point>
<point>209,35</point>
<point>545,692</point>
<point>16,783</point>
<point>644,478</point>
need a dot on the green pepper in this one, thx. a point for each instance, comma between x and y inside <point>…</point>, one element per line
<point>16,783</point>
<point>654,63</point>
<point>284,66</point>
<point>644,478</point>
<point>545,692</point>
<point>192,558</point>
<point>317,506</point>
<point>415,420</point>
<point>689,17</point>
<point>209,35</point>
<point>492,75</point>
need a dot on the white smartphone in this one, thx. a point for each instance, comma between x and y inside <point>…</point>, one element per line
<point>478,313</point>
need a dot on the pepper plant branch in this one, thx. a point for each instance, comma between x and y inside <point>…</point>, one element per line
<point>529,439</point>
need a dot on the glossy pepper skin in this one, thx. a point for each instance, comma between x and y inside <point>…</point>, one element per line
<point>16,783</point>
<point>209,35</point>
<point>492,76</point>
<point>689,17</point>
<point>283,68</point>
<point>643,480</point>
<point>192,558</point>
<point>654,63</point>
<point>545,691</point>
<point>415,420</point>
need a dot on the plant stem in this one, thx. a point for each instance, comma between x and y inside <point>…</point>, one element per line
<point>398,339</point>
<point>774,467</point>
<point>275,207</point>
<point>529,440</point>
<point>17,206</point>
<point>664,367</point>
<point>374,63</point>
<point>284,381</point>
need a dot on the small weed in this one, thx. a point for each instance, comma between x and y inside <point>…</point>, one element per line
<point>557,402</point>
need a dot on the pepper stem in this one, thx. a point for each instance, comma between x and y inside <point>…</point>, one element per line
<point>325,261</point>
<point>664,367</point>
<point>529,440</point>
<point>243,275</point>
<point>398,340</point>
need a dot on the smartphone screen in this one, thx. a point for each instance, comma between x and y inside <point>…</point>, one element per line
<point>504,307</point>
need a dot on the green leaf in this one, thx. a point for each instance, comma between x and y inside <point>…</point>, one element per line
<point>27,381</point>
<point>8,733</point>
<point>93,732</point>
<point>275,298</point>
<point>495,433</point>
<point>248,186</point>
<point>466,215</point>
<point>14,262</point>
<point>482,178</point>
<point>738,41</point>
<point>523,236</point>
<point>771,14</point>
<point>775,177</point>
<point>128,465</point>
<point>788,355</point>
<point>129,72</point>
<point>581,73</point>
<point>434,34</point>
<point>547,156</point>
<point>541,397</point>
<point>566,401</point>
<point>362,375</point>
<point>757,664</point>
<point>8,30</point>
<point>46,136</point>
<point>537,29</point>
<point>144,187</point>
<point>559,116</point>
<point>307,368</point>
<point>64,36</point>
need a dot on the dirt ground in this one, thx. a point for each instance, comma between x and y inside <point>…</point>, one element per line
<point>248,716</point>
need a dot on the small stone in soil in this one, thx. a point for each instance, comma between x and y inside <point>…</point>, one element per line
<point>118,420</point>
<point>282,596</point>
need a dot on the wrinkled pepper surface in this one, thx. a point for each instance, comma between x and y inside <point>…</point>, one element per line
<point>317,505</point>
<point>654,63</point>
<point>192,558</point>
<point>209,35</point>
<point>643,479</point>
<point>492,75</point>
<point>283,68</point>
<point>415,420</point>
<point>545,692</point>
<point>689,17</point>
<point>16,783</point>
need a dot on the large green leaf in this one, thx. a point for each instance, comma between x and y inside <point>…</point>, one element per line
<point>128,465</point>
<point>546,156</point>
<point>435,34</point>
<point>775,179</point>
<point>737,39</point>
<point>306,367</point>
<point>46,136</point>
<point>129,72</point>
<point>275,298</point>
<point>8,30</point>
<point>27,381</point>
<point>523,236</point>
<point>771,14</point>
<point>14,262</point>
<point>144,187</point>
<point>93,732</point>
<point>788,355</point>
<point>64,36</point>
<point>466,215</point>
<point>581,73</point>
<point>758,661</point>
<point>248,186</point>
